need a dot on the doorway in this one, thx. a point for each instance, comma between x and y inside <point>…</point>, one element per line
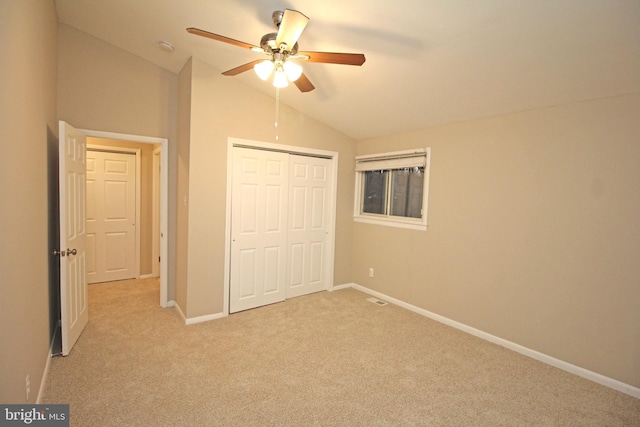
<point>69,236</point>
<point>280,236</point>
<point>160,148</point>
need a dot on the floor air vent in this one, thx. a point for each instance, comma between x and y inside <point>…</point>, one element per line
<point>377,301</point>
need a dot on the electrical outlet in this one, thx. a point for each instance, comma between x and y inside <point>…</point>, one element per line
<point>371,272</point>
<point>27,386</point>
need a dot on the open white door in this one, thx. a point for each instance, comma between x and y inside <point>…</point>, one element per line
<point>74,301</point>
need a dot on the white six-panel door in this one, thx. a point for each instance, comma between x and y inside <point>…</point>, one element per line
<point>74,302</point>
<point>111,216</point>
<point>258,228</point>
<point>308,227</point>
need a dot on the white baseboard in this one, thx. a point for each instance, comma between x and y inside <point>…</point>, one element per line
<point>45,374</point>
<point>206,318</point>
<point>147,276</point>
<point>199,319</point>
<point>43,381</point>
<point>560,364</point>
<point>180,313</point>
<point>344,286</point>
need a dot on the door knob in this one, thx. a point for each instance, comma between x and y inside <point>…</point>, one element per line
<point>71,252</point>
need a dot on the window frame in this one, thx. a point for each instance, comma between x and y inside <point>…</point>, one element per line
<point>387,162</point>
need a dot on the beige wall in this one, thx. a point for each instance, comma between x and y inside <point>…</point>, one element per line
<point>103,88</point>
<point>533,232</point>
<point>184,138</point>
<point>221,107</point>
<point>146,195</point>
<point>27,108</point>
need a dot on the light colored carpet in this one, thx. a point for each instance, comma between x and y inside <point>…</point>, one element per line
<point>329,359</point>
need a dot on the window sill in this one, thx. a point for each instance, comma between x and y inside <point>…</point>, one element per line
<point>392,222</point>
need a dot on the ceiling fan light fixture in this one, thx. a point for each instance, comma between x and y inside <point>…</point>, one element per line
<point>263,69</point>
<point>280,79</point>
<point>292,70</point>
<point>281,46</point>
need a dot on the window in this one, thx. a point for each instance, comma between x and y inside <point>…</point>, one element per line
<point>391,189</point>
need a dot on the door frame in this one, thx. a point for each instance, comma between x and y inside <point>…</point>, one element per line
<point>164,202</point>
<point>136,153</point>
<point>155,234</point>
<point>312,152</point>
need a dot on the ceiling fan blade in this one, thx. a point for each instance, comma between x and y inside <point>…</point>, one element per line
<point>304,84</point>
<point>291,27</point>
<point>331,57</point>
<point>242,68</point>
<point>207,34</point>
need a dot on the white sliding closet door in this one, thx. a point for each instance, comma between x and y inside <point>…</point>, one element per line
<point>309,200</point>
<point>258,228</point>
<point>280,220</point>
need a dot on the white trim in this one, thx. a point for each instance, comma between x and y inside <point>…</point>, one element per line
<point>331,244</point>
<point>164,202</point>
<point>333,208</point>
<point>291,149</point>
<point>343,286</point>
<point>171,303</point>
<point>549,360</point>
<point>45,376</point>
<point>155,212</point>
<point>425,190</point>
<point>45,373</point>
<point>147,276</point>
<point>198,319</point>
<point>227,231</point>
<point>395,221</point>
<point>138,207</point>
<point>206,318</point>
<point>180,313</point>
<point>123,136</point>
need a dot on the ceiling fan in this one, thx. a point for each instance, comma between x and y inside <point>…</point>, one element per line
<point>281,47</point>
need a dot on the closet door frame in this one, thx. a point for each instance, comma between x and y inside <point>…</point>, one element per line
<point>258,145</point>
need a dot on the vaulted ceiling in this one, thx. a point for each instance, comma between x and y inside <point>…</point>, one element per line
<point>428,62</point>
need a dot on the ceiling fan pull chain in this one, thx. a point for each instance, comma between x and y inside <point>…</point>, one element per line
<point>277,111</point>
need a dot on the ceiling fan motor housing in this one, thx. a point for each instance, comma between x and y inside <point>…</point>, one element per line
<point>268,44</point>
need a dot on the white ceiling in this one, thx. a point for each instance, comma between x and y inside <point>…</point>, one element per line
<point>429,62</point>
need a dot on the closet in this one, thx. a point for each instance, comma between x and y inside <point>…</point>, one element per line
<point>280,225</point>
